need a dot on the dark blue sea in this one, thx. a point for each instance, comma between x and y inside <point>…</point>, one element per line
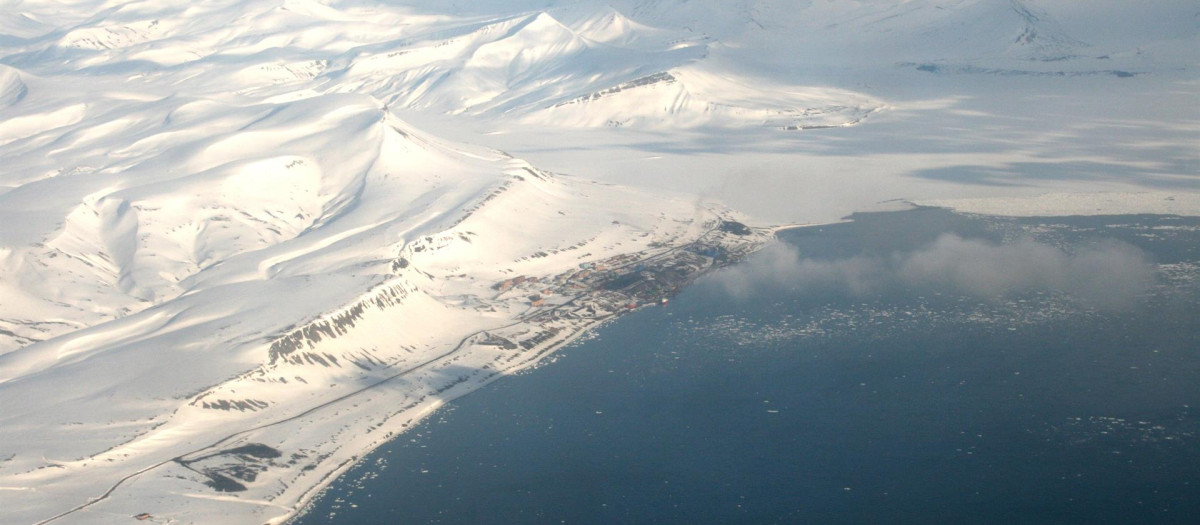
<point>917,367</point>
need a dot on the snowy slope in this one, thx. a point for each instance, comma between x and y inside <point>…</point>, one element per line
<point>692,97</point>
<point>982,98</point>
<point>534,64</point>
<point>216,220</point>
<point>229,224</point>
<point>203,132</point>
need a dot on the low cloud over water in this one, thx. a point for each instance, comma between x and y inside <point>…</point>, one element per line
<point>1111,275</point>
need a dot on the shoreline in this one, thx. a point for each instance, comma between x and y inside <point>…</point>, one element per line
<point>315,493</point>
<point>1181,203</point>
<point>530,363</point>
<point>498,440</point>
<point>305,502</point>
<point>276,462</point>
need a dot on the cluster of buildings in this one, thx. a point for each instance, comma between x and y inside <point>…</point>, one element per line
<point>576,299</point>
<point>621,282</point>
<point>629,280</point>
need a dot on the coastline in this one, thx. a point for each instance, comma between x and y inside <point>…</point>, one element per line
<point>521,449</point>
<point>532,360</point>
<point>316,491</point>
<point>268,469</point>
<point>304,504</point>
<point>356,432</point>
<point>249,243</point>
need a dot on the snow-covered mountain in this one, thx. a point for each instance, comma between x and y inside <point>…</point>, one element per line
<point>155,140</point>
<point>982,33</point>
<point>263,237</point>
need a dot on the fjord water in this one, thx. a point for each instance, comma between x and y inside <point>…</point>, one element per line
<point>804,402</point>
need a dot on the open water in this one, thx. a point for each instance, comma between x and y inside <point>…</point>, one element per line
<point>757,399</point>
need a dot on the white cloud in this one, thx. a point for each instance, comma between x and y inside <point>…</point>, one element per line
<point>1109,275</point>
